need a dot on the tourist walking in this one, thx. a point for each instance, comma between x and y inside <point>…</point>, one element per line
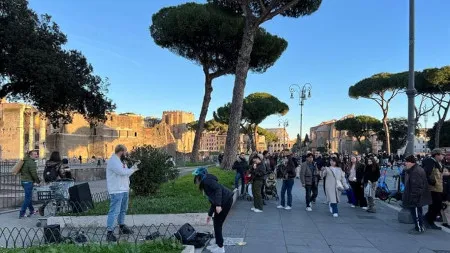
<point>240,166</point>
<point>288,174</point>
<point>371,176</point>
<point>257,174</point>
<point>434,170</point>
<point>118,183</point>
<point>416,193</point>
<point>335,184</point>
<point>29,178</point>
<point>308,177</point>
<point>221,200</point>
<point>446,198</point>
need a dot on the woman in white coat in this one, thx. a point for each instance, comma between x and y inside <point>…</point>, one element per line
<point>334,173</point>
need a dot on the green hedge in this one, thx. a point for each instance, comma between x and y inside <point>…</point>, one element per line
<point>168,246</point>
<point>178,196</point>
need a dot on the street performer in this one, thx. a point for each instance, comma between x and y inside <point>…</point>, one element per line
<point>118,183</point>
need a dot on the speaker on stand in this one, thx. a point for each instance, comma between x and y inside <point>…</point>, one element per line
<point>80,198</point>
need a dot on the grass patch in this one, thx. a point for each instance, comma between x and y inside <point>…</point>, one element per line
<point>195,164</point>
<point>169,246</point>
<point>178,196</point>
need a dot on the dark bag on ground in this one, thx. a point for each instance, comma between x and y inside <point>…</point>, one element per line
<point>188,236</point>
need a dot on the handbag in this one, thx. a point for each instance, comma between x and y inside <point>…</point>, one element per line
<point>368,190</point>
<point>339,185</point>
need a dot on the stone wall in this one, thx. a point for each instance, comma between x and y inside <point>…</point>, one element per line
<point>80,139</point>
<point>11,130</point>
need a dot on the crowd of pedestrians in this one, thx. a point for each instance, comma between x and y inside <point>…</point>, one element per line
<point>354,176</point>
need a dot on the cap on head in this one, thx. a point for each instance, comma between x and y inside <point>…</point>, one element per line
<point>436,151</point>
<point>199,172</point>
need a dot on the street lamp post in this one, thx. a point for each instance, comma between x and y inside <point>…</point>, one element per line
<point>303,94</point>
<point>411,92</point>
<point>284,123</point>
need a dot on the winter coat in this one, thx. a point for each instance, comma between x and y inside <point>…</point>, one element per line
<point>308,176</point>
<point>360,172</point>
<point>416,193</point>
<point>29,171</point>
<point>372,173</point>
<point>240,166</point>
<point>333,195</point>
<point>259,172</point>
<point>433,171</point>
<point>217,194</point>
<point>446,186</point>
<point>288,171</point>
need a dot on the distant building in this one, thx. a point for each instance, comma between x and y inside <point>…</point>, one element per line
<point>283,141</point>
<point>22,129</point>
<point>420,143</point>
<point>325,136</point>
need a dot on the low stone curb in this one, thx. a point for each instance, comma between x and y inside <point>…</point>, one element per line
<point>188,249</point>
<point>131,220</point>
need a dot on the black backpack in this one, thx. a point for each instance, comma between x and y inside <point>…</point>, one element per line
<point>188,236</point>
<point>51,173</point>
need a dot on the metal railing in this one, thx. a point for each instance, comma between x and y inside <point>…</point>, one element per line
<point>37,237</point>
<point>11,191</point>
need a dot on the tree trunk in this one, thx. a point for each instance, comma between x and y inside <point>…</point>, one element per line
<point>388,135</point>
<point>242,66</point>
<point>202,118</point>
<point>255,140</point>
<point>439,124</point>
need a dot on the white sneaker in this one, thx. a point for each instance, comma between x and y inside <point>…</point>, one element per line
<point>280,207</point>
<point>335,215</point>
<point>253,209</point>
<point>257,211</point>
<point>365,208</point>
<point>218,250</point>
<point>331,209</point>
<point>288,208</point>
<point>235,190</point>
<point>353,206</point>
<point>309,209</point>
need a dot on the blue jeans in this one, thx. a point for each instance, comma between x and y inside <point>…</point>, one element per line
<point>334,207</point>
<point>287,186</point>
<point>118,207</point>
<point>27,202</point>
<point>236,181</point>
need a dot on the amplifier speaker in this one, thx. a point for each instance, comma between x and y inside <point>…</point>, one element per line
<point>52,234</point>
<point>80,198</point>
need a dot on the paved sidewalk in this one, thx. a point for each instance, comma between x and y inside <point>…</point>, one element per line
<point>355,230</point>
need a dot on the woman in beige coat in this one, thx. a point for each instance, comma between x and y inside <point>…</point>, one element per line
<point>334,173</point>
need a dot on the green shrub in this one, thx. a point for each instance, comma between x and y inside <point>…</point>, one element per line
<point>178,196</point>
<point>169,246</point>
<point>153,170</point>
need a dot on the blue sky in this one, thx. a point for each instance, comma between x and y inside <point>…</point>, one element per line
<point>340,44</point>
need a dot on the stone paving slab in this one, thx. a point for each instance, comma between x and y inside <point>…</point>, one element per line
<point>355,230</point>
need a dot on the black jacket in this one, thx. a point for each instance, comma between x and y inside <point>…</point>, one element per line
<point>217,194</point>
<point>372,173</point>
<point>259,172</point>
<point>446,184</point>
<point>240,166</point>
<point>416,192</point>
<point>360,172</point>
<point>288,171</point>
